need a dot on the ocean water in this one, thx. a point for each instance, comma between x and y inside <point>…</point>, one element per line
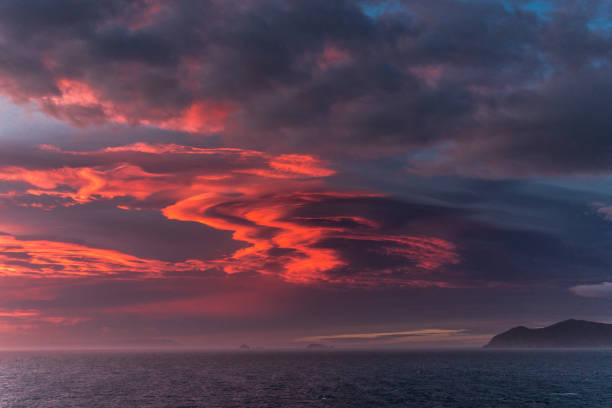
<point>479,378</point>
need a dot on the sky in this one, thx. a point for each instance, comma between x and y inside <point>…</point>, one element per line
<point>398,173</point>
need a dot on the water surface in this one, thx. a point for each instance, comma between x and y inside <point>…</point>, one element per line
<point>475,378</point>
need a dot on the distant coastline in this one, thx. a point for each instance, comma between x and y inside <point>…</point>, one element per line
<point>566,334</point>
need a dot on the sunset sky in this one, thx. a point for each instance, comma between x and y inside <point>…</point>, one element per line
<point>357,173</point>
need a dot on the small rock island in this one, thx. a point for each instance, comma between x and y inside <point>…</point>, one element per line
<point>566,334</point>
<point>318,346</point>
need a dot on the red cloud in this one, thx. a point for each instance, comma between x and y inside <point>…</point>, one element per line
<point>252,194</point>
<point>12,320</point>
<point>81,104</point>
<point>332,56</point>
<point>258,220</point>
<point>61,259</point>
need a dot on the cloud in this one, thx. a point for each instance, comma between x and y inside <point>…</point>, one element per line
<point>293,225</point>
<point>418,336</point>
<point>280,215</point>
<point>598,290</point>
<point>604,210</point>
<point>265,165</point>
<point>47,259</point>
<point>504,90</point>
<point>304,248</point>
<point>18,320</point>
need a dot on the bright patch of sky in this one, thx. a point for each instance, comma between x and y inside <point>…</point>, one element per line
<point>22,122</point>
<point>603,21</point>
<point>541,8</point>
<point>596,184</point>
<point>375,9</point>
<point>378,8</point>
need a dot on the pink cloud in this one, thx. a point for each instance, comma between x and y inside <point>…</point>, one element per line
<point>253,194</point>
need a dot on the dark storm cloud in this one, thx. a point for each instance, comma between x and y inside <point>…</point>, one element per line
<point>486,255</point>
<point>519,235</point>
<point>516,90</point>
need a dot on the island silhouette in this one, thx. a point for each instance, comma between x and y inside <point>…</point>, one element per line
<point>318,346</point>
<point>569,333</point>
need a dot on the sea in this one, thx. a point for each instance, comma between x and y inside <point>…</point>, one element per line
<point>466,378</point>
